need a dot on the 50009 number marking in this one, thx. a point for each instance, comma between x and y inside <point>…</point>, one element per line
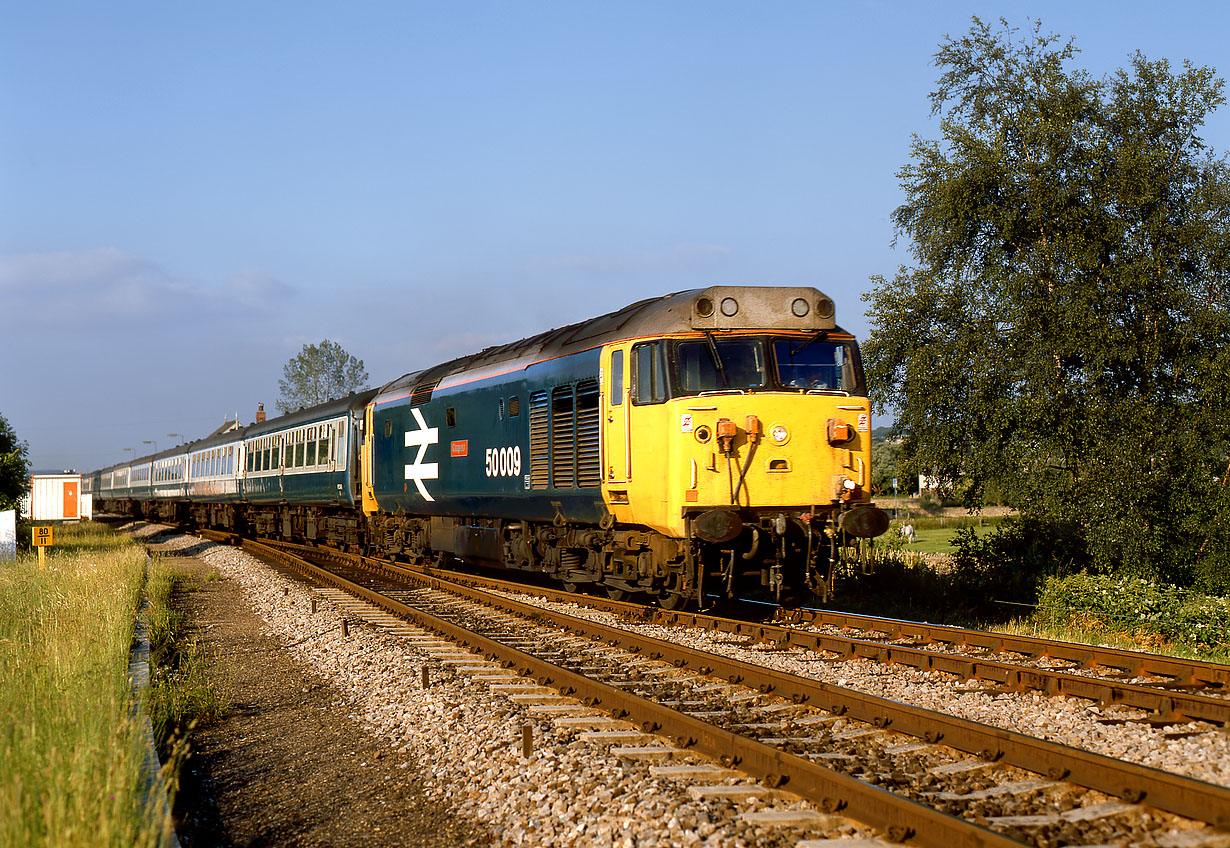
<point>503,462</point>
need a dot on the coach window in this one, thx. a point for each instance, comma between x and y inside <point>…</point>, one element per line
<point>311,453</point>
<point>617,378</point>
<point>322,454</point>
<point>648,374</point>
<point>299,455</point>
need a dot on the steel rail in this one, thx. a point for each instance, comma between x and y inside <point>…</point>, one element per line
<point>1167,706</point>
<point>1184,796</point>
<point>1186,672</point>
<point>901,818</point>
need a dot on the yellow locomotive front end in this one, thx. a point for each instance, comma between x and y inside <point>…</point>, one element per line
<point>745,441</point>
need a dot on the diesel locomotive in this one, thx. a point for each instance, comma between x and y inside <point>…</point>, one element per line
<point>713,442</point>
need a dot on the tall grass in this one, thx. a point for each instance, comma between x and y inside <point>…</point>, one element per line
<point>180,694</point>
<point>70,748</point>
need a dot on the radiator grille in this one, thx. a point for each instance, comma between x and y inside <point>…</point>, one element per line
<point>589,462</point>
<point>563,438</point>
<point>540,460</point>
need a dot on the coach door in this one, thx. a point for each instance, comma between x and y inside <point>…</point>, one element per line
<point>617,461</point>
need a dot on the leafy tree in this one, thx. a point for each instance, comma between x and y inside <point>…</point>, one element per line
<point>884,467</point>
<point>1064,333</point>
<point>320,373</point>
<point>14,472</point>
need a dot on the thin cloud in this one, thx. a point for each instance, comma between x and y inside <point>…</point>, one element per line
<point>254,287</point>
<point>77,288</point>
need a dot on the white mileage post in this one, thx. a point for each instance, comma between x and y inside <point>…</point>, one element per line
<point>40,537</point>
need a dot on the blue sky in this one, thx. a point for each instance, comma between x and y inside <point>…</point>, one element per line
<point>189,193</point>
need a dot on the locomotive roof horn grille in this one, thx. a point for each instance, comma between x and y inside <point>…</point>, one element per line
<point>775,307</point>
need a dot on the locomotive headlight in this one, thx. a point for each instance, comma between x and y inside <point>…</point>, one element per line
<point>779,434</point>
<point>730,307</point>
<point>800,307</point>
<point>825,308</point>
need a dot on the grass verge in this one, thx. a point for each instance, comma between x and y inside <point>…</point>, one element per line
<point>180,694</point>
<point>70,746</point>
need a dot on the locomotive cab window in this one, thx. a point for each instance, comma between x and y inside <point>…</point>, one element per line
<point>691,367</point>
<point>648,374</point>
<point>709,365</point>
<point>814,364</point>
<point>617,378</point>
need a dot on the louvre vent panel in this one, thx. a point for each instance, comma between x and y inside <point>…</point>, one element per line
<point>540,443</point>
<point>563,439</point>
<point>589,462</point>
<point>421,393</point>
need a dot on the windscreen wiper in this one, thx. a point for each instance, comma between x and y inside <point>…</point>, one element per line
<point>717,358</point>
<point>794,351</point>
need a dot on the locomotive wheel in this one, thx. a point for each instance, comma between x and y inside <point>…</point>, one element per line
<point>570,588</point>
<point>616,594</point>
<point>671,601</point>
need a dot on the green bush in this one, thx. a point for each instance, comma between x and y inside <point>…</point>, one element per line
<point>989,578</point>
<point>998,571</point>
<point>1138,607</point>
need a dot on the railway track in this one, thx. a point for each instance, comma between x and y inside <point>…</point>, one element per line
<point>1171,690</point>
<point>913,774</point>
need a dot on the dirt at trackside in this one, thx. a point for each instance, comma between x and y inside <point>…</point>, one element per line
<point>286,766</point>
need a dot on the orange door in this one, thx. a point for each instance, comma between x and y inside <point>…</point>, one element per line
<point>70,500</point>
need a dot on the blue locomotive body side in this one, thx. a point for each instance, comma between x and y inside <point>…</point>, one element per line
<point>479,446</point>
